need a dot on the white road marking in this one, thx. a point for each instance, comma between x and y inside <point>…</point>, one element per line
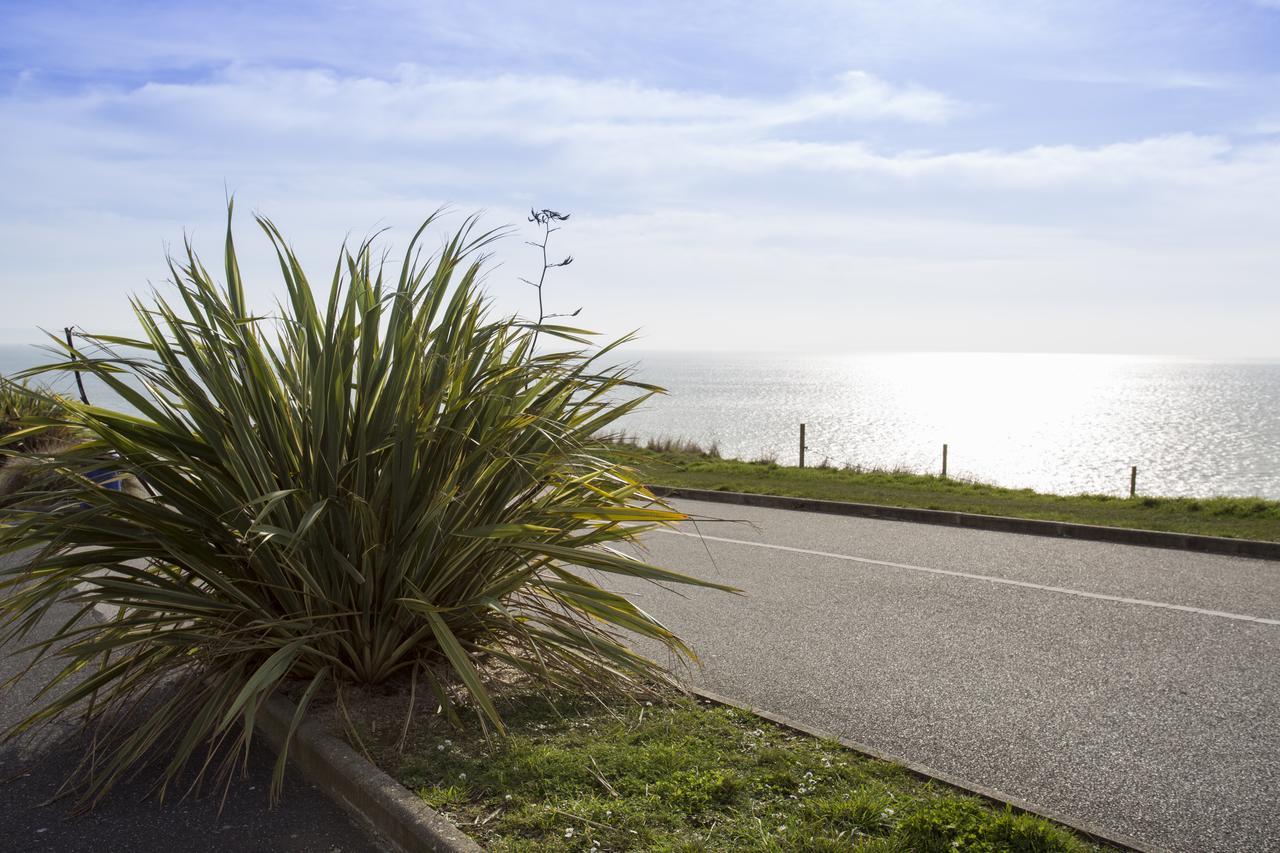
<point>1142,602</point>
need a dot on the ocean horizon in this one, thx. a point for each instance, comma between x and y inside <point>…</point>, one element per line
<point>1063,423</point>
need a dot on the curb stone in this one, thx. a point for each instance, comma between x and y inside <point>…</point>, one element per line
<point>1089,831</point>
<point>1002,523</point>
<point>372,797</point>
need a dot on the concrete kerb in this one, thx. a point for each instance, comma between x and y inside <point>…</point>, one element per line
<point>1001,523</point>
<point>928,773</point>
<point>377,801</point>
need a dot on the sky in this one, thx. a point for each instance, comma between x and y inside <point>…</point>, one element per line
<point>1032,175</point>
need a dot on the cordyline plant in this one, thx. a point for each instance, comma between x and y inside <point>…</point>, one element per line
<point>383,483</point>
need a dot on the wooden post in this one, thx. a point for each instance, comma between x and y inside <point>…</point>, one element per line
<point>801,445</point>
<point>944,462</point>
<point>1133,481</point>
<point>84,398</point>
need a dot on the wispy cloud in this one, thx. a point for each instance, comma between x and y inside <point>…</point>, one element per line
<point>1147,78</point>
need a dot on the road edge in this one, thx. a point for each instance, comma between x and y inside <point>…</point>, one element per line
<point>928,773</point>
<point>1221,545</point>
<point>378,802</point>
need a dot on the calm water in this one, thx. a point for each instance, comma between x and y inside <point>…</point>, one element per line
<point>15,358</point>
<point>1060,423</point>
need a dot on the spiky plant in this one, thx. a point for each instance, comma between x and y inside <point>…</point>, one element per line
<point>23,407</point>
<point>381,479</point>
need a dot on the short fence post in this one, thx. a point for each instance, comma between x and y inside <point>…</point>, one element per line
<point>1133,481</point>
<point>801,445</point>
<point>944,462</point>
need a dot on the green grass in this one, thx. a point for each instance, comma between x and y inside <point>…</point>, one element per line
<point>684,464</point>
<point>580,775</point>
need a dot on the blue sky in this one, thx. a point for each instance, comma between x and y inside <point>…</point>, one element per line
<point>1061,176</point>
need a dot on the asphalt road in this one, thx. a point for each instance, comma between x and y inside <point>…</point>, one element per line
<point>1134,689</point>
<point>32,769</point>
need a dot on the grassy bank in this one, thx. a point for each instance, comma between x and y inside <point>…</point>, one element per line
<point>581,775</point>
<point>686,464</point>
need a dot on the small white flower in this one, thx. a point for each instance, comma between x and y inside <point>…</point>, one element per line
<point>462,776</point>
<point>568,833</point>
<point>507,798</point>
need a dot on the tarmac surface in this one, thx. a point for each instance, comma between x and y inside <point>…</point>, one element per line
<point>32,769</point>
<point>1134,689</point>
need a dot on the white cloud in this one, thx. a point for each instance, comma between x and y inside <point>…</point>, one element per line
<point>284,121</point>
<point>417,103</point>
<point>1147,78</point>
<point>709,205</point>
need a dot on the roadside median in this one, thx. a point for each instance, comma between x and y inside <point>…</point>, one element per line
<point>1005,524</point>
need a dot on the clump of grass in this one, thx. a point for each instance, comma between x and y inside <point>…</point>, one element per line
<point>664,445</point>
<point>377,481</point>
<point>681,445</point>
<point>680,775</point>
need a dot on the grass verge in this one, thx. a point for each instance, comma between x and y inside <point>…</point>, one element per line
<point>685,464</point>
<point>579,774</point>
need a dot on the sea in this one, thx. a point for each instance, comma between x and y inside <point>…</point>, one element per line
<point>1051,422</point>
<point>1058,423</point>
